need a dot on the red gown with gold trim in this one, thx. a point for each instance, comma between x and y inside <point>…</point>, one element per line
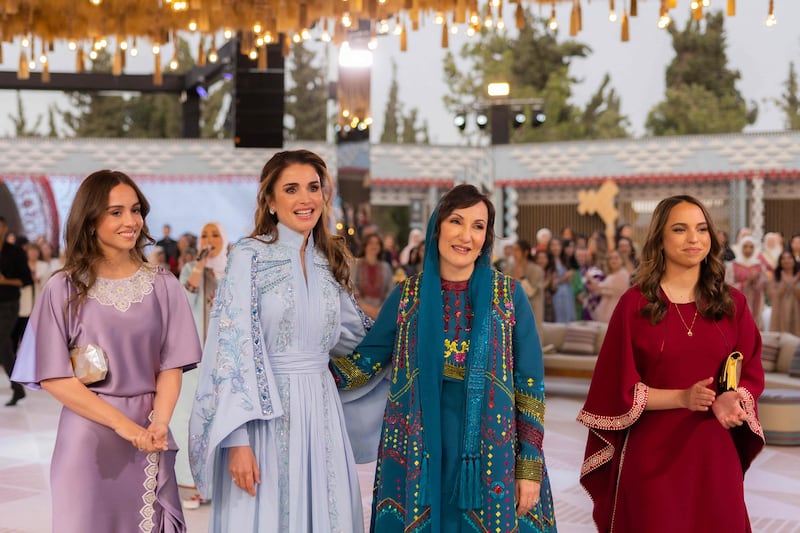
<point>676,469</point>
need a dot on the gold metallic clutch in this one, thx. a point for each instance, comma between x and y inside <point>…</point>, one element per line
<point>730,373</point>
<point>89,362</point>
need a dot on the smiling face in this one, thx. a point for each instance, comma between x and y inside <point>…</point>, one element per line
<point>297,198</point>
<point>117,229</point>
<point>686,239</point>
<point>211,237</point>
<point>461,238</point>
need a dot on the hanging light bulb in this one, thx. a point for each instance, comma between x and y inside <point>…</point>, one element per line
<point>134,51</point>
<point>553,23</point>
<point>227,33</point>
<point>253,54</point>
<point>771,21</point>
<point>72,45</point>
<point>706,3</point>
<point>612,14</point>
<point>346,20</point>
<point>123,45</point>
<point>192,25</point>
<point>25,42</point>
<point>213,56</point>
<point>93,54</point>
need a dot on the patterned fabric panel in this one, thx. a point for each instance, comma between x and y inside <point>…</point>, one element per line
<point>579,340</point>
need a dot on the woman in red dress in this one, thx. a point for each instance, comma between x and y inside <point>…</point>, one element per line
<point>666,452</point>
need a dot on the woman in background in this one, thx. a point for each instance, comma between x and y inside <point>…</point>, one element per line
<point>372,277</point>
<point>199,278</point>
<point>784,293</point>
<point>612,287</point>
<point>113,465</point>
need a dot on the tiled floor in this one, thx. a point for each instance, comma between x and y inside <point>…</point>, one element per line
<point>27,433</point>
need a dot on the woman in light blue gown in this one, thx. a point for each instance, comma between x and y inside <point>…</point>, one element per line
<point>267,433</point>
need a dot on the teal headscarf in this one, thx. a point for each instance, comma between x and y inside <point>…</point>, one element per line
<point>430,349</point>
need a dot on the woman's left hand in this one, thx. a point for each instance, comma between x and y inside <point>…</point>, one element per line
<point>159,431</point>
<point>527,493</point>
<point>727,408</point>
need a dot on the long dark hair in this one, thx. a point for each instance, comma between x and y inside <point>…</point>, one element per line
<point>333,247</point>
<point>83,252</point>
<point>460,197</point>
<point>711,293</point>
<point>779,270</point>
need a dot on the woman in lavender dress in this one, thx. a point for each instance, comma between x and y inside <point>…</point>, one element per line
<point>267,433</point>
<point>113,462</point>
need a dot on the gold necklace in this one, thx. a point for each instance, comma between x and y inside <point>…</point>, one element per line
<point>680,315</point>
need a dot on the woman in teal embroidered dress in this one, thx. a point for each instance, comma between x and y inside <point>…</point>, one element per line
<point>461,444</point>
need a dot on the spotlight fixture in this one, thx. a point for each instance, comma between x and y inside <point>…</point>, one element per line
<point>482,119</point>
<point>518,117</point>
<point>460,121</point>
<point>538,117</point>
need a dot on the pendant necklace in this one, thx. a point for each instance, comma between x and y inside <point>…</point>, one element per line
<point>680,315</point>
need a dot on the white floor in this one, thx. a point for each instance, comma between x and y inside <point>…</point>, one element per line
<point>27,433</point>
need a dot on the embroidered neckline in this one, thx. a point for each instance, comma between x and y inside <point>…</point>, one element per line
<point>123,292</point>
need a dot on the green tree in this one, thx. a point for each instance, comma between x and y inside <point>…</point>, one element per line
<point>789,102</point>
<point>391,126</point>
<point>306,100</point>
<point>214,111</point>
<point>701,94</point>
<point>536,66</point>
<point>21,128</point>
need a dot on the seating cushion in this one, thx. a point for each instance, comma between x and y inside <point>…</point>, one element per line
<point>770,344</point>
<point>579,340</point>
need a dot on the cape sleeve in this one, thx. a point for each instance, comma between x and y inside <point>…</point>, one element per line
<point>373,354</point>
<point>615,401</point>
<point>528,389</point>
<point>363,407</point>
<point>236,383</point>
<point>44,350</point>
<point>180,343</point>
<point>749,437</point>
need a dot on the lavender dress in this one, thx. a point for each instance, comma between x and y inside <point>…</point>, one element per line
<point>99,481</point>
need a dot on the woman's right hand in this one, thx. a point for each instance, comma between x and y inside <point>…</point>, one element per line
<point>699,397</point>
<point>138,436</point>
<point>243,468</point>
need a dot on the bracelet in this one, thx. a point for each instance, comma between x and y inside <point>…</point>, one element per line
<point>191,288</point>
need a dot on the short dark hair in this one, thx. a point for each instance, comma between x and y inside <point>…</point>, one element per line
<point>460,197</point>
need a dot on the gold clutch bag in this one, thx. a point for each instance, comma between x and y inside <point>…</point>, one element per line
<point>730,373</point>
<point>89,362</point>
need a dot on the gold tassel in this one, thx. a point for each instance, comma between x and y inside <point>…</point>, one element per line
<point>573,21</point>
<point>731,8</point>
<point>697,14</point>
<point>116,66</point>
<point>519,16</point>
<point>1,52</point>
<point>46,72</point>
<point>580,17</point>
<point>158,77</point>
<point>634,8</point>
<point>445,35</point>
<point>287,46</point>
<point>261,64</point>
<point>80,60</point>
<point>403,38</point>
<point>672,4</point>
<point>23,72</point>
<point>201,53</point>
<point>625,31</point>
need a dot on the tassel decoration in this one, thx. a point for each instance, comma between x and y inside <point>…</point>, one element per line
<point>672,4</point>
<point>158,77</point>
<point>1,52</point>
<point>23,71</point>
<point>261,63</point>
<point>287,46</point>
<point>634,8</point>
<point>573,20</point>
<point>625,30</point>
<point>697,14</point>
<point>116,65</point>
<point>519,16</point>
<point>468,483</point>
<point>731,8</point>
<point>580,16</point>
<point>46,72</point>
<point>445,35</point>
<point>201,53</point>
<point>80,60</point>
<point>403,38</point>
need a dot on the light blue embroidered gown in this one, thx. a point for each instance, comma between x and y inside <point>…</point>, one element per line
<point>265,382</point>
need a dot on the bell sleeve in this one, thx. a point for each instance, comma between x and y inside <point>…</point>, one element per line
<point>44,350</point>
<point>236,383</point>
<point>180,344</point>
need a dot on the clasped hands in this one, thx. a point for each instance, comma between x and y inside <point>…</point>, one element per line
<point>727,407</point>
<point>150,439</point>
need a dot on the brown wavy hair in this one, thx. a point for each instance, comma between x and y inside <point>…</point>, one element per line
<point>332,246</point>
<point>83,252</point>
<point>711,292</point>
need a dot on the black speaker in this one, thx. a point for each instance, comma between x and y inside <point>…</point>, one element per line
<point>259,100</point>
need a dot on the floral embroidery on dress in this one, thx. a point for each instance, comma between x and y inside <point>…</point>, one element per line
<point>149,497</point>
<point>123,292</point>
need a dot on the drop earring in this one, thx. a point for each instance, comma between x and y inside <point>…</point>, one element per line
<point>271,211</point>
